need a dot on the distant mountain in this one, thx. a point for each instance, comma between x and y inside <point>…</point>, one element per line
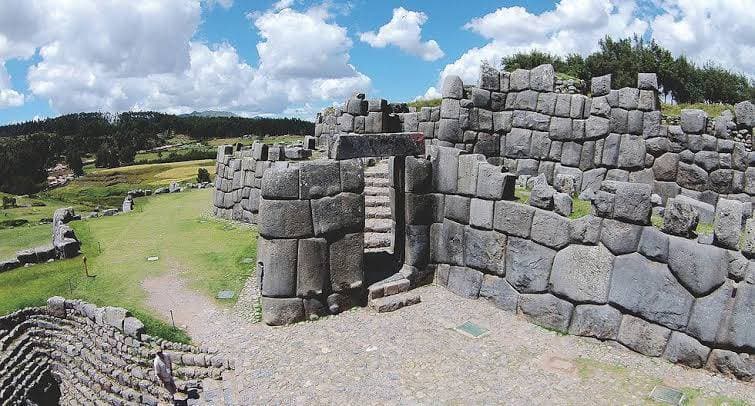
<point>209,113</point>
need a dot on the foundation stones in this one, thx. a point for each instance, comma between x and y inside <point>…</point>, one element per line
<point>582,273</point>
<point>601,322</point>
<point>646,338</point>
<point>546,310</point>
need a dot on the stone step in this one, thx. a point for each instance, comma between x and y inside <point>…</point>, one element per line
<point>376,191</point>
<point>372,201</point>
<point>379,182</point>
<point>377,240</point>
<point>378,212</point>
<point>392,285</point>
<point>378,225</point>
<point>394,302</point>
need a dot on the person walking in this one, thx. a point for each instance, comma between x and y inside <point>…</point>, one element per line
<point>164,371</point>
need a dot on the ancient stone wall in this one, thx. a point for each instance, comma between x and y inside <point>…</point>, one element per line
<point>311,244</point>
<point>609,275</point>
<point>76,353</point>
<point>64,243</point>
<point>519,118</point>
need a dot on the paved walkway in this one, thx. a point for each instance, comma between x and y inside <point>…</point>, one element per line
<point>413,356</point>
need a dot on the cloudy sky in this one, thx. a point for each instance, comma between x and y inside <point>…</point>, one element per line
<point>293,57</point>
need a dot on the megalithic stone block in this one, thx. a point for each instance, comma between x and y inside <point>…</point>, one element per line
<point>278,258</point>
<point>347,262</point>
<point>348,146</point>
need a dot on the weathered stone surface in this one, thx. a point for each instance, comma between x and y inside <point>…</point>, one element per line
<point>352,175</point>
<point>278,258</point>
<point>346,262</point>
<point>417,245</point>
<point>348,146</point>
<point>648,289</point>
<point>582,273</point>
<point>457,208</point>
<point>528,265</point>
<point>728,223</point>
<point>481,213</point>
<point>56,306</point>
<point>484,250</point>
<point>745,113</point>
<point>519,80</point>
<point>489,77</point>
<point>514,218</point>
<point>282,311</point>
<point>418,175</point>
<point>285,219</point>
<point>453,87</point>
<point>546,310</point>
<point>647,81</point>
<point>700,268</point>
<point>311,267</point>
<point>683,349</point>
<point>691,176</point>
<point>550,229</point>
<point>748,240</point>
<point>343,212</point>
<point>601,85</point>
<point>740,329</point>
<point>114,316</point>
<point>467,173</point>
<point>632,202</point>
<point>639,335</point>
<point>708,312</point>
<point>133,327</point>
<point>664,167</point>
<point>448,244</point>
<point>731,363</point>
<point>282,183</point>
<point>445,163</point>
<point>465,282</point>
<point>694,121</point>
<point>599,321</point>
<point>499,292</point>
<point>597,127</point>
<point>449,108</point>
<point>654,244</point>
<point>542,78</point>
<point>680,218</point>
<point>541,194</point>
<point>632,151</point>
<point>585,230</point>
<point>619,237</point>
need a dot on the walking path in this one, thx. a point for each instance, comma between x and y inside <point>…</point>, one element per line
<point>414,356</point>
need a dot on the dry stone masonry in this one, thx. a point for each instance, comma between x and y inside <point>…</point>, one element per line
<point>612,275</point>
<point>73,353</point>
<point>64,243</point>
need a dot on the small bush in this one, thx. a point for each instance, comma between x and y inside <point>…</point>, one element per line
<point>9,202</point>
<point>13,223</point>
<point>203,175</point>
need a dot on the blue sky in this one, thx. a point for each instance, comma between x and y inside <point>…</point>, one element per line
<point>294,57</point>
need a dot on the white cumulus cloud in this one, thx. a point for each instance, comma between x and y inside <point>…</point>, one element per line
<point>142,55</point>
<point>405,31</point>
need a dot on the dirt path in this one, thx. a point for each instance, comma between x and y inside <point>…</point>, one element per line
<point>414,356</point>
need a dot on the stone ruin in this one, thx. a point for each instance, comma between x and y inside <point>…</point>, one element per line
<point>456,221</point>
<point>64,243</point>
<point>74,353</point>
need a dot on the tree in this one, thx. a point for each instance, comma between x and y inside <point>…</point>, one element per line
<point>203,175</point>
<point>74,162</point>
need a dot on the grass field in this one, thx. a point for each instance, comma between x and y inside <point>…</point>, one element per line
<point>177,228</point>
<point>108,187</point>
<point>713,109</point>
<point>284,139</point>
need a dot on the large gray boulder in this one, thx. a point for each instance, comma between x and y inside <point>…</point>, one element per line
<point>453,87</point>
<point>282,311</point>
<point>620,237</point>
<point>499,292</point>
<point>632,202</point>
<point>285,218</point>
<point>447,242</point>
<point>694,121</point>
<point>599,321</point>
<point>730,363</point>
<point>683,349</point>
<point>542,78</point>
<point>546,310</point>
<point>347,262</point>
<point>740,329</point>
<point>748,240</point>
<point>528,265</point>
<point>542,194</point>
<point>278,258</point>
<point>550,229</point>
<point>654,244</point>
<point>465,282</point>
<point>708,312</point>
<point>601,85</point>
<point>745,112</point>
<point>343,212</point>
<point>515,219</point>
<point>485,250</point>
<point>648,289</point>
<point>728,223</point>
<point>680,218</point>
<point>582,273</point>
<point>312,261</point>
<point>639,335</point>
<point>700,268</point>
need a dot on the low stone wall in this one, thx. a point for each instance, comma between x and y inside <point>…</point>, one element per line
<point>311,244</point>
<point>64,243</point>
<point>609,275</point>
<point>238,179</point>
<point>93,355</point>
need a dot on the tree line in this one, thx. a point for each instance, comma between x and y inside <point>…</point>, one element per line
<point>678,78</point>
<point>28,148</point>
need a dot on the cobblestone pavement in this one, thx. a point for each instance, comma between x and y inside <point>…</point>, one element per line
<point>413,356</point>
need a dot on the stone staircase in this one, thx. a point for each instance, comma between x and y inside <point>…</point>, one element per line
<point>391,294</point>
<point>377,223</point>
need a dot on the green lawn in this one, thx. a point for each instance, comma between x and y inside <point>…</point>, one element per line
<point>713,109</point>
<point>19,238</point>
<point>108,187</point>
<point>283,139</point>
<point>177,228</point>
